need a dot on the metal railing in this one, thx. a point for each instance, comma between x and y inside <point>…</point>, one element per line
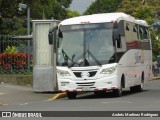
<point>15,54</point>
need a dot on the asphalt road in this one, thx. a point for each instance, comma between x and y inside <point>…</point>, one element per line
<point>148,100</point>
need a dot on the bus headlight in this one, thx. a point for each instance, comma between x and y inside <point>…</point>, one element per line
<point>63,73</point>
<point>108,70</point>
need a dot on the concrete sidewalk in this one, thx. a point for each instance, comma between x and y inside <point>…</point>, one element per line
<point>16,94</point>
<point>156,78</point>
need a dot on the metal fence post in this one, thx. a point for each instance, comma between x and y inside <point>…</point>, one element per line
<point>29,47</point>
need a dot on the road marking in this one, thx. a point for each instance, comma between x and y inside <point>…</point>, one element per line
<point>24,104</point>
<point>2,93</point>
<point>117,102</point>
<point>2,104</point>
<point>57,96</point>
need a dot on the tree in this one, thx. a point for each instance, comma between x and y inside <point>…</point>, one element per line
<point>128,6</point>
<point>0,3</point>
<point>103,6</point>
<point>148,10</point>
<point>13,21</point>
<point>155,44</point>
<point>144,12</point>
<point>71,14</point>
<point>142,9</point>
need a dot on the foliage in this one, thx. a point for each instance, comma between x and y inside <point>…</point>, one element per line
<point>14,61</point>
<point>13,21</point>
<point>150,11</point>
<point>128,6</point>
<point>155,41</point>
<point>71,14</point>
<point>11,25</point>
<point>103,6</point>
<point>11,50</point>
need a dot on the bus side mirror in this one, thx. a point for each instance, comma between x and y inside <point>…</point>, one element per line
<point>116,35</point>
<point>115,32</point>
<point>52,35</point>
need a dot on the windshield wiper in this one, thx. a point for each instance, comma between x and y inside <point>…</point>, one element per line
<point>95,59</point>
<point>75,62</point>
<point>85,61</point>
<point>66,57</point>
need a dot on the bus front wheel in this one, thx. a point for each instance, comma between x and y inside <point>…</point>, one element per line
<point>118,92</point>
<point>71,95</point>
<point>100,93</point>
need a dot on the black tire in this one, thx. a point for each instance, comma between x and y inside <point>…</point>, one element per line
<point>140,87</point>
<point>133,89</point>
<point>118,92</point>
<point>71,95</point>
<point>100,93</point>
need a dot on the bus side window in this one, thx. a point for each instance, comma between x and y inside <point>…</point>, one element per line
<point>127,27</point>
<point>135,32</point>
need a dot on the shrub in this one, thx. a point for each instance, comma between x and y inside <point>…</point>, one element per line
<point>15,61</point>
<point>11,50</point>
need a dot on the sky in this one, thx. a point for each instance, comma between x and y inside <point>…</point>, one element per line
<point>80,5</point>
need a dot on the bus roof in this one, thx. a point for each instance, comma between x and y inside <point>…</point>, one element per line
<point>101,18</point>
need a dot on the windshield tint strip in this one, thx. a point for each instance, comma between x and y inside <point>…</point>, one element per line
<point>86,26</point>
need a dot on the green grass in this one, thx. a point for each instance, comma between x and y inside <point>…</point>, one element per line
<point>16,74</point>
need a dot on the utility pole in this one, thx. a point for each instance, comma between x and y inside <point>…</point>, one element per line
<point>28,21</point>
<point>143,2</point>
<point>24,6</point>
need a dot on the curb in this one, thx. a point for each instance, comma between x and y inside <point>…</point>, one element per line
<point>57,96</point>
<point>61,95</point>
<point>2,104</point>
<point>156,78</point>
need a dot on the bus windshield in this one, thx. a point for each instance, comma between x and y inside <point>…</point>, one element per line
<point>85,45</point>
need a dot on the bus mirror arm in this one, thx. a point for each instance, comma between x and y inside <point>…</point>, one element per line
<point>116,36</point>
<point>52,35</point>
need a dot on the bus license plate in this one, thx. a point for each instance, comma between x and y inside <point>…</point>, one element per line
<point>86,89</point>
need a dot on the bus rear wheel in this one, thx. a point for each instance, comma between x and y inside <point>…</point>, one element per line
<point>140,87</point>
<point>71,95</point>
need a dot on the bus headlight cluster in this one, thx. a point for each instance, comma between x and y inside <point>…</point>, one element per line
<point>108,70</point>
<point>63,73</point>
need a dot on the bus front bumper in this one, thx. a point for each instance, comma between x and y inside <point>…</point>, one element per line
<point>104,83</point>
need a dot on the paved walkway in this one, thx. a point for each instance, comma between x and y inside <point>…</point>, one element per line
<point>15,94</point>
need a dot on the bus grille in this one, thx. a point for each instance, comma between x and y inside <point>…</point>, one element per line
<point>85,84</point>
